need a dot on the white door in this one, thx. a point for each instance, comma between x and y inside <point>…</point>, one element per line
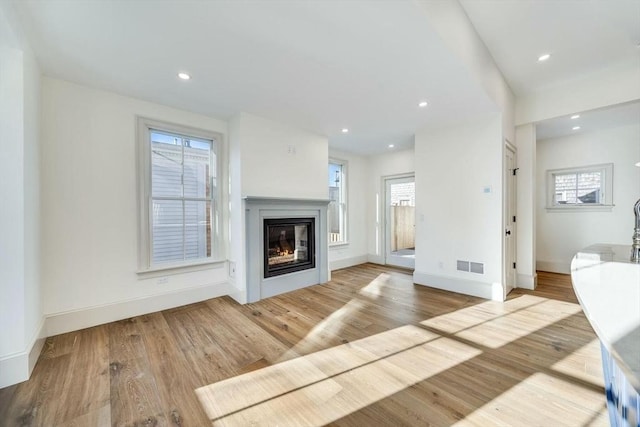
<point>510,218</point>
<point>400,221</point>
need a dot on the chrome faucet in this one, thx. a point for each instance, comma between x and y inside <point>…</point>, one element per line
<point>635,247</point>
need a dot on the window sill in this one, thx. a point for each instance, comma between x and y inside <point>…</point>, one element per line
<point>580,208</point>
<point>168,270</point>
<point>338,244</point>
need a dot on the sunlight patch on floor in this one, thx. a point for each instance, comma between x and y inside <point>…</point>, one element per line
<point>333,324</point>
<point>322,387</point>
<point>490,325</point>
<point>584,364</point>
<point>468,317</point>
<point>513,407</point>
<point>374,288</point>
<point>329,384</point>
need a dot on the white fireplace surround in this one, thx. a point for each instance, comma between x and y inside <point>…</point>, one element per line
<point>257,209</point>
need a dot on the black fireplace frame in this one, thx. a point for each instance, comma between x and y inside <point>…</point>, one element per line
<point>278,270</point>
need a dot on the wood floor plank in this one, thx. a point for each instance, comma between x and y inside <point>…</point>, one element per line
<point>37,402</point>
<point>134,398</point>
<point>211,364</point>
<point>99,418</point>
<point>225,312</point>
<point>60,345</point>
<point>175,380</point>
<point>206,332</point>
<point>6,399</point>
<point>367,348</point>
<point>87,388</point>
<point>125,340</point>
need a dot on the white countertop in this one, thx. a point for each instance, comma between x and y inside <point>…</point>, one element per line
<point>607,285</point>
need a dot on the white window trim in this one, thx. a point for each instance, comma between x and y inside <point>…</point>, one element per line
<point>143,174</point>
<point>606,187</point>
<point>345,195</point>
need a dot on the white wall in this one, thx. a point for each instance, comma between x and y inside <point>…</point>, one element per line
<point>237,225</point>
<point>451,22</point>
<point>32,211</point>
<point>455,218</point>
<point>282,161</point>
<point>355,251</point>
<point>380,166</point>
<point>12,221</point>
<point>616,84</point>
<point>561,234</point>
<point>20,304</point>
<point>89,206</point>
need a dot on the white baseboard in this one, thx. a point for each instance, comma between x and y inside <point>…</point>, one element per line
<point>347,262</point>
<point>527,281</point>
<point>14,369</point>
<point>239,296</point>
<point>73,320</point>
<point>17,367</point>
<point>36,348</point>
<point>554,266</point>
<point>492,291</point>
<point>376,259</point>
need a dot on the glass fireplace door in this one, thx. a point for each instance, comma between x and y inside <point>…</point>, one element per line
<point>288,245</point>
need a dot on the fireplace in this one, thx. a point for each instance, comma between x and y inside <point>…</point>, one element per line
<point>288,245</point>
<point>265,220</point>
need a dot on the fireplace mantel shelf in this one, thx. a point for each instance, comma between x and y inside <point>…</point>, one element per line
<point>260,199</point>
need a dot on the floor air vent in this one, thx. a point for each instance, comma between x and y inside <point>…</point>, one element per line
<point>463,265</point>
<point>473,267</point>
<point>477,267</point>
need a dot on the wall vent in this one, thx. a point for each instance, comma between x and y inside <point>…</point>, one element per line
<point>463,265</point>
<point>477,267</point>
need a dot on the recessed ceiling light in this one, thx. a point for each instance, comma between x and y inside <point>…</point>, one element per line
<point>184,76</point>
<point>345,130</point>
<point>391,145</point>
<point>638,164</point>
<point>575,116</point>
<point>544,57</point>
<point>575,128</point>
<point>422,104</point>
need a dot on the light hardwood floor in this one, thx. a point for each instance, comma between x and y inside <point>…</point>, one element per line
<point>369,348</point>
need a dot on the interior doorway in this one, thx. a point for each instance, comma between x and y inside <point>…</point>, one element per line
<point>400,221</point>
<point>510,217</point>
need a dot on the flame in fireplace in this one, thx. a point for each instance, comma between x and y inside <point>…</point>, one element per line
<point>282,252</point>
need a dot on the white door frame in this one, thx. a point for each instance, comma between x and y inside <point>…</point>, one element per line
<point>385,217</point>
<point>509,218</point>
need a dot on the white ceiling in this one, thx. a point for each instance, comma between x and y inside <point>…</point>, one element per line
<point>590,121</point>
<point>321,65</point>
<point>582,36</point>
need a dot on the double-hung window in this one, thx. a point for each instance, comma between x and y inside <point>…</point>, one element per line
<point>338,201</point>
<point>582,187</point>
<point>180,192</point>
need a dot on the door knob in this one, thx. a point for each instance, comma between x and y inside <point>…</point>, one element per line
<point>508,232</point>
